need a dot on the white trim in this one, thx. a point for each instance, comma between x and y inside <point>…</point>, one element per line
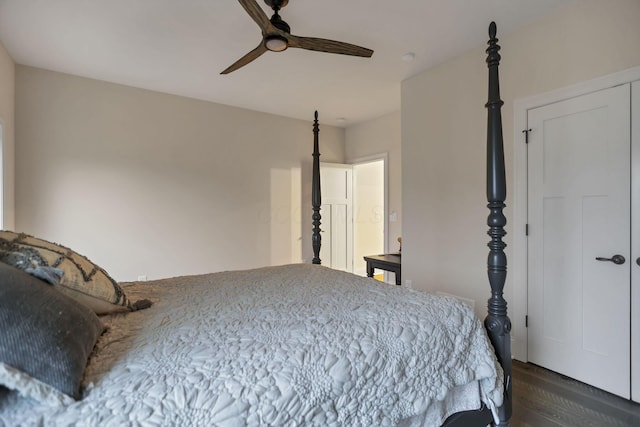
<point>635,239</point>
<point>518,262</point>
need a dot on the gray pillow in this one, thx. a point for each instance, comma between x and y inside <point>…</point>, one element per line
<point>46,338</point>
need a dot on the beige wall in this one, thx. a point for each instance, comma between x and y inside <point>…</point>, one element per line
<point>7,97</point>
<point>145,183</point>
<point>444,134</point>
<point>380,136</point>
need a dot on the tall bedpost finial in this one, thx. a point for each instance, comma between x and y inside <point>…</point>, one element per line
<point>316,198</point>
<point>497,323</point>
<point>492,30</point>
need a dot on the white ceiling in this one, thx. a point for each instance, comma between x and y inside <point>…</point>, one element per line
<point>181,46</point>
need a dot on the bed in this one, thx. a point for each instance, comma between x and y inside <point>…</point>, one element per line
<point>285,345</point>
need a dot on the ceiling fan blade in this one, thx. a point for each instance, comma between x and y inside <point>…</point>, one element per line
<point>254,54</point>
<point>330,46</point>
<point>258,15</point>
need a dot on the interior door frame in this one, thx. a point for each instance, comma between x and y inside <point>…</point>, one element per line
<point>517,276</point>
<point>635,238</point>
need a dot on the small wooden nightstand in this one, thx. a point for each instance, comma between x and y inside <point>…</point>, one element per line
<point>388,262</point>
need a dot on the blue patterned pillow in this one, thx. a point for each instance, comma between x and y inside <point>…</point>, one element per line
<point>45,338</point>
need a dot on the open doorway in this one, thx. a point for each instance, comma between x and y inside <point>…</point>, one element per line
<point>354,213</point>
<point>370,227</point>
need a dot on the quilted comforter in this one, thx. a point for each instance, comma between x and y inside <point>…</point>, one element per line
<point>291,345</point>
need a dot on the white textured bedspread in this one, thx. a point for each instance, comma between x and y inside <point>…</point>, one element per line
<point>292,345</point>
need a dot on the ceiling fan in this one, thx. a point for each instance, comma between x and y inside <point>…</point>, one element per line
<point>276,36</point>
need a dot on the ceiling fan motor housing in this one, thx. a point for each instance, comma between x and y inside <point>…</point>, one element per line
<point>277,22</point>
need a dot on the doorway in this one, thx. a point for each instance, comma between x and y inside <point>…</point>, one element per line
<point>579,223</point>
<point>518,273</point>
<point>369,219</point>
<point>354,213</point>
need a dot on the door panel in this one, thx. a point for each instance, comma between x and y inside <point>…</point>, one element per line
<point>337,245</point>
<point>579,209</point>
<point>336,210</point>
<point>325,244</point>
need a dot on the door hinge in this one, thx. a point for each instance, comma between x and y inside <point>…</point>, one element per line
<point>526,135</point>
<point>526,229</point>
<point>526,321</point>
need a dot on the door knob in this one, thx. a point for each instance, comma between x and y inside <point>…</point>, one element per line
<point>638,260</point>
<point>616,259</point>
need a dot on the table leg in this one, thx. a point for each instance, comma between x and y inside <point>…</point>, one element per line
<point>369,270</point>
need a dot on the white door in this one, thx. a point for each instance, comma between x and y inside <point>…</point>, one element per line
<point>579,210</point>
<point>337,216</point>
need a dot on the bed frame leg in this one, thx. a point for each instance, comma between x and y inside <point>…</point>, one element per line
<point>497,322</point>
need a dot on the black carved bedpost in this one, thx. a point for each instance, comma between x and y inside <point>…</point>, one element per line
<point>316,199</point>
<point>497,323</point>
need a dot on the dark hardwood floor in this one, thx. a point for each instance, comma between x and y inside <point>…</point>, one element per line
<point>542,398</point>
